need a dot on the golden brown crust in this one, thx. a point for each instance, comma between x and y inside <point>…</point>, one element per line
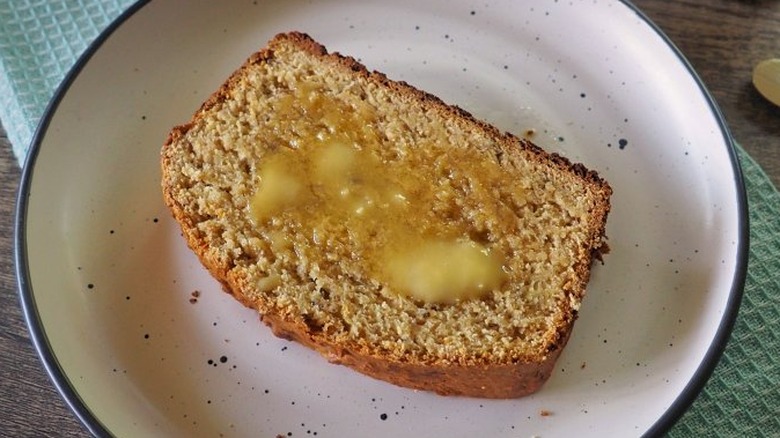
<point>499,381</point>
<point>499,378</point>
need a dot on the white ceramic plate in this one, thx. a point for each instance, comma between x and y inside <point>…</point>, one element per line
<point>108,284</point>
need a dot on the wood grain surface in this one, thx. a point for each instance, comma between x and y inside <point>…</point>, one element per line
<point>722,39</point>
<point>29,404</point>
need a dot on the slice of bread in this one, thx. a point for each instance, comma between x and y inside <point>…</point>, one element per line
<point>387,230</point>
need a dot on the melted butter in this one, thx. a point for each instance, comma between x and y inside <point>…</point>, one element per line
<point>283,186</point>
<point>444,271</point>
<point>331,182</point>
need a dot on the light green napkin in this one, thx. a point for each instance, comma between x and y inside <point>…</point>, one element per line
<point>40,41</point>
<point>742,398</point>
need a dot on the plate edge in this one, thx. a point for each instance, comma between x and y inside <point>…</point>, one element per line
<point>40,341</point>
<point>715,351</point>
<point>29,308</point>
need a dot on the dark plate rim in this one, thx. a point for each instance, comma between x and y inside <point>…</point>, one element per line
<point>97,428</point>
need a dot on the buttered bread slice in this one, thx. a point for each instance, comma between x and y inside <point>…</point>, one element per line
<point>389,231</point>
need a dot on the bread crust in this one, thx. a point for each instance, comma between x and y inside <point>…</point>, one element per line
<point>497,381</point>
<point>485,378</point>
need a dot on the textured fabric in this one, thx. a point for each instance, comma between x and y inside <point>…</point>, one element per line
<point>41,40</point>
<point>742,398</point>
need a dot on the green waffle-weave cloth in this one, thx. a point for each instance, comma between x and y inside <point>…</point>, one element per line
<point>41,40</point>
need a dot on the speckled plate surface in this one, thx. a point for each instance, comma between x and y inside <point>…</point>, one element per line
<point>142,342</point>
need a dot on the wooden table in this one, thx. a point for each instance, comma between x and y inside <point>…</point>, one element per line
<point>723,40</point>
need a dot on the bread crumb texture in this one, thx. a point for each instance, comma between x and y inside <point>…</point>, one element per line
<point>462,180</point>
